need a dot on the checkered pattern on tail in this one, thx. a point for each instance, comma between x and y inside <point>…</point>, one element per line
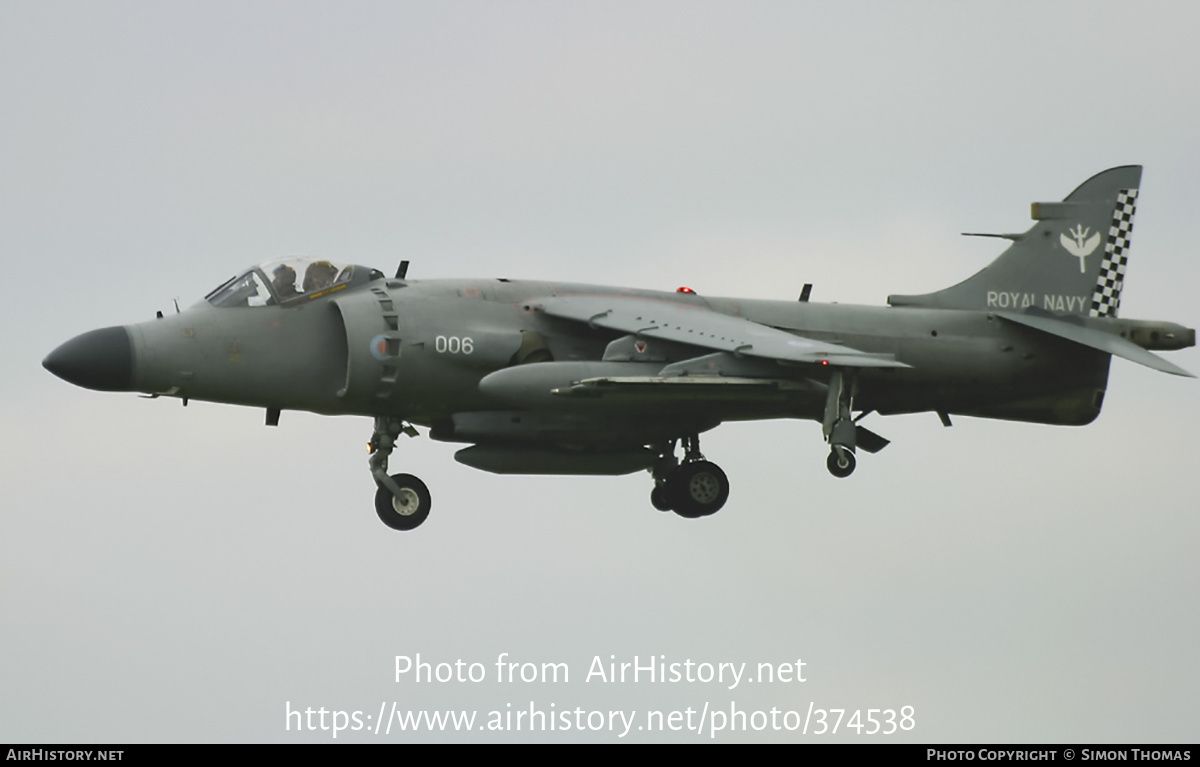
<point>1106,299</point>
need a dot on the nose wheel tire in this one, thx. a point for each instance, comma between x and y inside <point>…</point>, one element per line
<point>406,510</point>
<point>698,489</point>
<point>840,462</point>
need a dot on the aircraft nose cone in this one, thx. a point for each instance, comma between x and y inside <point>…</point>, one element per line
<point>99,359</point>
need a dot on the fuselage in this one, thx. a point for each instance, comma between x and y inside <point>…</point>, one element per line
<point>417,350</point>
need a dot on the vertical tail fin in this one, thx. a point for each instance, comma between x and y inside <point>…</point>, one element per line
<point>1072,261</point>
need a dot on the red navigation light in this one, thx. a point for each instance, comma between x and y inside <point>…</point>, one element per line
<point>824,362</point>
<point>684,289</point>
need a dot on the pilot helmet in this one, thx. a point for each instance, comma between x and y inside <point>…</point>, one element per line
<point>319,274</point>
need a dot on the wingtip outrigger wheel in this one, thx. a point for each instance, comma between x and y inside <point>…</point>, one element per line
<point>838,425</point>
<point>841,462</point>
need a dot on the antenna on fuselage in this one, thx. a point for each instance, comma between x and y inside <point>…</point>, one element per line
<point>1013,237</point>
<point>402,271</point>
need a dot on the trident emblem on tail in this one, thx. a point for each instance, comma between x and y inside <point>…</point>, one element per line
<point>1078,246</point>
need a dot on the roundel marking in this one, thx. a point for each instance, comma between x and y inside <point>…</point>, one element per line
<point>379,347</point>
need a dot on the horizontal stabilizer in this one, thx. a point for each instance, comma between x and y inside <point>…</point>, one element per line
<point>1095,339</point>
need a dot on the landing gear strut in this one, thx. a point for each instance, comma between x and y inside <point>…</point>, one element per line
<point>402,501</point>
<point>842,432</point>
<point>838,426</point>
<point>694,488</point>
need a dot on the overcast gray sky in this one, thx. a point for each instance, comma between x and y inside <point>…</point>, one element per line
<point>183,574</point>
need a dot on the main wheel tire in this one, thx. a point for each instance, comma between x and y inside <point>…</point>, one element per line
<point>659,498</point>
<point>409,509</point>
<point>698,489</point>
<point>840,463</point>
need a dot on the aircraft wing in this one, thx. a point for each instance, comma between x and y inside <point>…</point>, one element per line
<point>703,327</point>
<point>1096,339</point>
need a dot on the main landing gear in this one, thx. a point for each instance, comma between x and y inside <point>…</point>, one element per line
<point>402,501</point>
<point>694,488</point>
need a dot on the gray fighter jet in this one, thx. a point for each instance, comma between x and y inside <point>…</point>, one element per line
<point>550,378</point>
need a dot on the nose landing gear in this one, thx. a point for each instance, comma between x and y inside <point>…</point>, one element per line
<point>406,509</point>
<point>402,501</point>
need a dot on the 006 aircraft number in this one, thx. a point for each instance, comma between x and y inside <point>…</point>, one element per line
<point>453,345</point>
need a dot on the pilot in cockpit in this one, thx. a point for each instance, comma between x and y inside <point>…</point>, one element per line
<point>318,275</point>
<point>284,282</point>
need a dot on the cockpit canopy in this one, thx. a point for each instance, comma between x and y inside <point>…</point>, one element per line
<point>290,282</point>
